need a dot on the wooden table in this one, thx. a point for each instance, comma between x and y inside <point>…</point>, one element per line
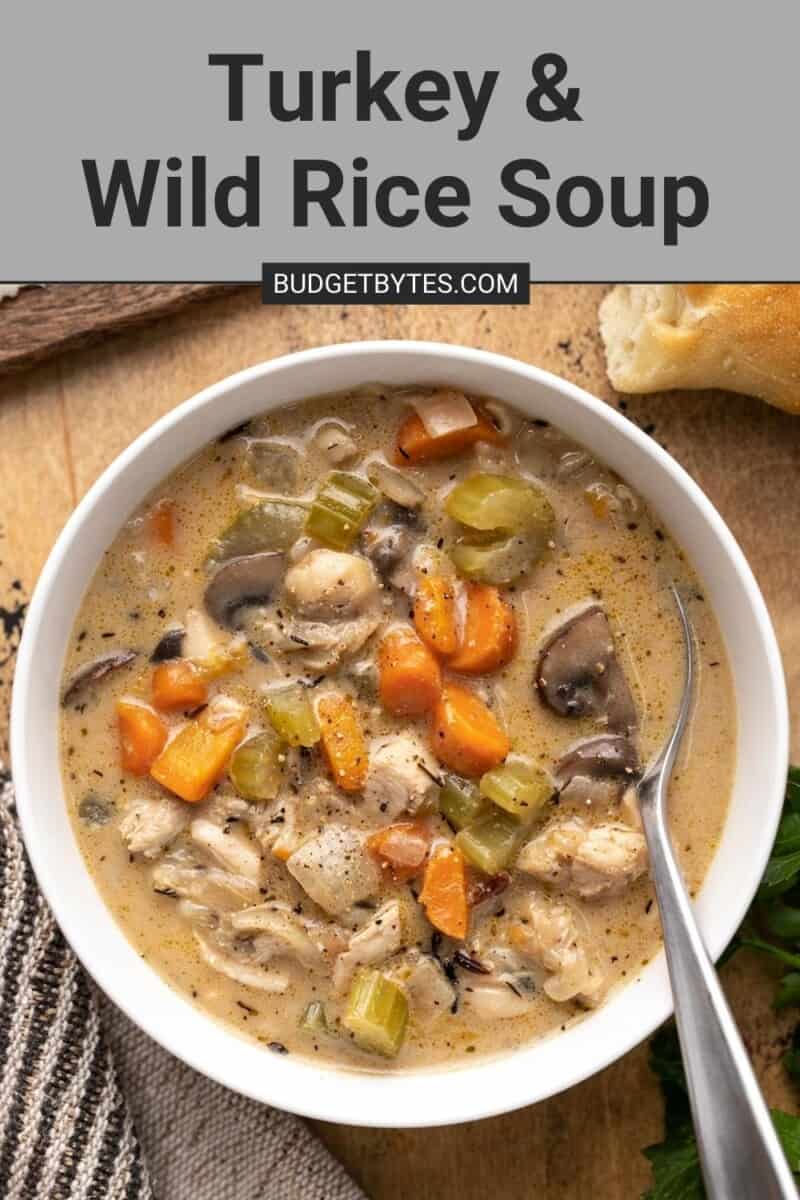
<point>61,424</point>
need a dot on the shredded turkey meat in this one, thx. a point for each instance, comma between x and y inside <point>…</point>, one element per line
<point>588,861</point>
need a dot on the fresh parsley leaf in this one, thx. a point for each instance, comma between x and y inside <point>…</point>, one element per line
<point>788,992</point>
<point>675,1162</point>
<point>676,1168</point>
<point>784,956</point>
<point>781,920</point>
<point>793,789</point>
<point>788,1130</point>
<point>787,838</point>
<point>782,873</point>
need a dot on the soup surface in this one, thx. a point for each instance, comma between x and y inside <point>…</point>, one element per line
<point>351,714</point>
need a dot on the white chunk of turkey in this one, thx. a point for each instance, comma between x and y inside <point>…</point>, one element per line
<point>337,601</point>
<point>335,870</point>
<point>250,974</point>
<point>284,933</point>
<point>379,939</point>
<point>551,940</point>
<point>589,861</point>
<point>402,775</point>
<point>493,999</point>
<point>327,585</point>
<point>210,887</point>
<point>151,823</point>
<point>425,983</point>
<point>229,847</point>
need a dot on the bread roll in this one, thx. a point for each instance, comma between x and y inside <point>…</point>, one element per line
<point>743,337</point>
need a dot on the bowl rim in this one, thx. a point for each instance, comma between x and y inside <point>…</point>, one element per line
<point>294,1083</point>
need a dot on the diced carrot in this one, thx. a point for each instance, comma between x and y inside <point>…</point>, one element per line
<point>401,848</point>
<point>142,735</point>
<point>343,741</point>
<point>465,735</point>
<point>444,892</point>
<point>178,683</point>
<point>435,614</point>
<point>490,632</point>
<point>410,678</point>
<point>415,445</point>
<point>196,757</point>
<point>161,522</point>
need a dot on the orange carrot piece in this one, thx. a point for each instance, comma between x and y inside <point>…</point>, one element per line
<point>444,892</point>
<point>178,683</point>
<point>343,741</point>
<point>161,522</point>
<point>415,445</point>
<point>401,848</point>
<point>196,757</point>
<point>142,735</point>
<point>410,678</point>
<point>435,614</point>
<point>490,632</point>
<point>465,735</point>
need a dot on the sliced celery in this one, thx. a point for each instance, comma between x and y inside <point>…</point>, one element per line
<point>520,788</point>
<point>268,525</point>
<point>488,559</point>
<point>292,716</point>
<point>505,502</point>
<point>256,769</point>
<point>491,841</point>
<point>315,1021</point>
<point>341,509</point>
<point>461,802</point>
<point>376,1013</point>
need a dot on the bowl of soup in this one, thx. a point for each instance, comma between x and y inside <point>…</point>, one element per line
<point>327,720</point>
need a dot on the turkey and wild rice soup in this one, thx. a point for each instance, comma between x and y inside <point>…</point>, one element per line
<point>352,712</point>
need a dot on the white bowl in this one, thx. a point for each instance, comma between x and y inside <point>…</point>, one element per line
<point>441,1095</point>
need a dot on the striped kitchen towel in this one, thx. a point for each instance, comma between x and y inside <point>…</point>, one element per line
<point>92,1109</point>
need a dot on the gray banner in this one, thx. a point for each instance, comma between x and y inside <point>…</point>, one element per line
<point>665,91</point>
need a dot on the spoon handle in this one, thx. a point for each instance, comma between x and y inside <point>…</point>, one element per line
<point>739,1149</point>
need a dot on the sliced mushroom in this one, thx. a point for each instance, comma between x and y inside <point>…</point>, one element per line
<point>387,548</point>
<point>579,675</point>
<point>91,673</point>
<point>240,583</point>
<point>609,756</point>
<point>169,646</point>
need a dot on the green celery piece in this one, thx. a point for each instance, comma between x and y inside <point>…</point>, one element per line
<point>506,502</point>
<point>461,802</point>
<point>292,716</point>
<point>520,788</point>
<point>376,1013</point>
<point>341,509</point>
<point>487,558</point>
<point>315,1021</point>
<point>256,769</point>
<point>491,842</point>
<point>268,525</point>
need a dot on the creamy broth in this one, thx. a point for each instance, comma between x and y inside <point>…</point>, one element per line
<point>562,921</point>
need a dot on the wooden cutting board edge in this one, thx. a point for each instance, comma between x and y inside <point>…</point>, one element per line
<point>43,321</point>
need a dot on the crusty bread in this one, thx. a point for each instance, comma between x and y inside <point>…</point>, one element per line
<point>743,337</point>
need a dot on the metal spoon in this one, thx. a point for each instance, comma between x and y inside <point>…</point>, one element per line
<point>740,1153</point>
